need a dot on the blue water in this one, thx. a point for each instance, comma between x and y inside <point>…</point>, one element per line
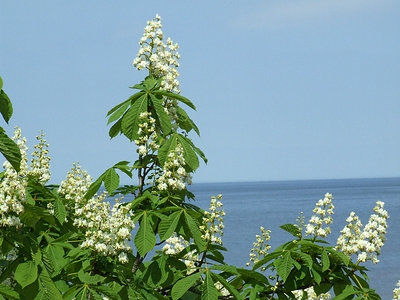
<point>249,205</point>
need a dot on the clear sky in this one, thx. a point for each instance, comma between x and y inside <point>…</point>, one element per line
<point>285,90</point>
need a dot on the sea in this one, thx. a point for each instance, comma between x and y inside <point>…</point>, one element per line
<point>249,205</point>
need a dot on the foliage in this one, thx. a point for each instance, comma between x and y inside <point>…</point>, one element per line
<point>67,242</point>
<point>7,147</point>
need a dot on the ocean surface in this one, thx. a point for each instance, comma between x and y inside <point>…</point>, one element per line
<point>249,205</point>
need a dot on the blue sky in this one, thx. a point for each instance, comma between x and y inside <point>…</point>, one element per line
<point>284,90</point>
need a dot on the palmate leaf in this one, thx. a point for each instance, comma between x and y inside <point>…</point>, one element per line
<point>169,145</point>
<point>145,239</point>
<point>59,211</point>
<point>189,154</point>
<point>56,255</point>
<point>183,285</point>
<point>231,289</point>
<point>185,122</point>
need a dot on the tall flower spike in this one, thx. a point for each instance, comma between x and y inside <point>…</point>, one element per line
<point>323,212</point>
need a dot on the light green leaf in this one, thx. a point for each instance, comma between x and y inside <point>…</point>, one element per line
<point>145,238</point>
<point>8,292</point>
<point>10,150</point>
<point>168,226</point>
<point>111,180</point>
<point>183,285</point>
<point>26,273</point>
<point>209,290</point>
<point>60,211</point>
<point>130,120</point>
<point>284,265</point>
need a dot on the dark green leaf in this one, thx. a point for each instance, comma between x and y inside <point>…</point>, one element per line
<point>10,150</point>
<point>188,152</point>
<point>292,229</point>
<point>89,279</point>
<point>130,120</point>
<point>162,116</point>
<point>6,109</point>
<point>195,231</point>
<point>325,260</point>
<point>169,145</point>
<point>115,129</point>
<point>119,111</point>
<point>178,97</point>
<point>50,290</point>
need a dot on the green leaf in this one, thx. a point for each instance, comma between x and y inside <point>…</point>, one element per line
<point>115,129</point>
<point>8,292</point>
<point>130,120</point>
<point>162,116</point>
<point>189,154</point>
<point>111,180</point>
<point>88,279</point>
<point>185,122</point>
<point>292,229</point>
<point>50,290</point>
<point>10,150</point>
<point>303,257</point>
<point>284,265</point>
<point>183,285</point>
<point>195,231</point>
<point>178,97</point>
<point>231,289</point>
<point>59,211</point>
<point>325,260</point>
<point>118,112</point>
<point>168,226</point>
<point>94,187</point>
<point>32,214</point>
<point>6,108</point>
<point>56,255</point>
<point>145,238</point>
<point>209,291</point>
<point>169,145</point>
<point>26,273</point>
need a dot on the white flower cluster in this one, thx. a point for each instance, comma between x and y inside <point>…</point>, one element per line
<point>260,246</point>
<point>174,245</point>
<point>13,185</point>
<point>323,212</point>
<point>174,175</point>
<point>75,186</point>
<point>147,134</point>
<point>365,243</point>
<point>160,59</point>
<point>213,221</point>
<point>40,163</point>
<point>396,292</point>
<point>310,295</point>
<point>107,230</point>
